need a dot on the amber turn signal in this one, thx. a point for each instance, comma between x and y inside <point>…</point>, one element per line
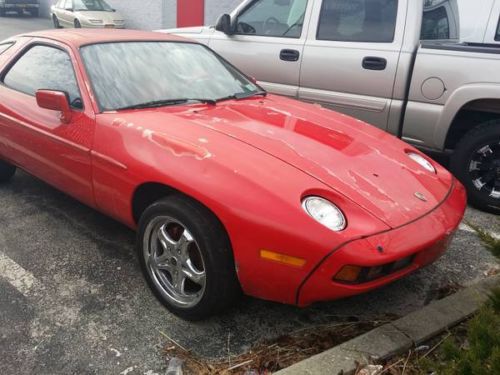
<point>349,274</point>
<point>282,258</point>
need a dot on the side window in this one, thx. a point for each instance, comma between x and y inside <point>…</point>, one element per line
<point>358,20</point>
<point>497,36</point>
<point>4,47</point>
<point>68,4</point>
<point>278,18</point>
<point>435,24</point>
<point>43,67</point>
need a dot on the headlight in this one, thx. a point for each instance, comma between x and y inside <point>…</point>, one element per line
<point>424,163</point>
<point>325,213</point>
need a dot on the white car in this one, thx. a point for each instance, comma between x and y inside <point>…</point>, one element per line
<point>85,13</point>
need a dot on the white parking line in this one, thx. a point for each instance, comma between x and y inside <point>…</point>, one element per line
<point>465,228</point>
<point>17,276</point>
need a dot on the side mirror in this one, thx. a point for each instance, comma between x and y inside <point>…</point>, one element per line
<point>224,24</point>
<point>55,101</point>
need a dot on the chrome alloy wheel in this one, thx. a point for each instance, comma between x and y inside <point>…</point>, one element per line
<point>174,262</point>
<point>484,169</point>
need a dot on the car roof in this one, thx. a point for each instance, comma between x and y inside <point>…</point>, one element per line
<point>80,37</point>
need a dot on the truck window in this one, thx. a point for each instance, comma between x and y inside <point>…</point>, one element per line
<point>274,18</point>
<point>358,20</point>
<point>435,24</point>
<point>497,36</point>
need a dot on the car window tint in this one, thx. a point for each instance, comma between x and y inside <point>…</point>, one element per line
<point>358,20</point>
<point>5,46</point>
<point>278,18</point>
<point>68,4</point>
<point>435,24</point>
<point>43,67</point>
<point>497,36</point>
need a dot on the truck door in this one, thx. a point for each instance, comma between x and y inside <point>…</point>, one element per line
<point>268,43</point>
<point>351,57</point>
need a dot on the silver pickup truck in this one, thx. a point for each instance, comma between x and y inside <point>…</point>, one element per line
<point>369,59</point>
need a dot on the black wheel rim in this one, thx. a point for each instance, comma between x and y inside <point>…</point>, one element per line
<point>484,169</point>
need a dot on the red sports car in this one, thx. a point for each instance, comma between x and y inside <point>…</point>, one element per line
<point>230,189</point>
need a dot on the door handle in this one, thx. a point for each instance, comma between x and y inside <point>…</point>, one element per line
<point>289,55</point>
<point>374,63</point>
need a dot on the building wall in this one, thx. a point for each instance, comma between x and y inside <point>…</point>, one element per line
<point>214,8</point>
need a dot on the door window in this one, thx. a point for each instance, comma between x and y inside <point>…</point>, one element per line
<point>43,67</point>
<point>278,18</point>
<point>358,20</point>
<point>435,24</point>
<point>68,4</point>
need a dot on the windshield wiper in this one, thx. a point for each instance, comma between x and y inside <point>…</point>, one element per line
<point>166,102</point>
<point>241,96</point>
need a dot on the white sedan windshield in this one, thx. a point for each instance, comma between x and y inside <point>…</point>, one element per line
<point>126,74</point>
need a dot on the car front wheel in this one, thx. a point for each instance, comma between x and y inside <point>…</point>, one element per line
<point>55,20</point>
<point>476,162</point>
<point>7,171</point>
<point>78,25</point>
<point>186,258</point>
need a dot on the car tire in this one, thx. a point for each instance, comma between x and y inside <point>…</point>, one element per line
<point>7,171</point>
<point>77,24</point>
<point>186,258</point>
<point>476,163</point>
<point>55,20</point>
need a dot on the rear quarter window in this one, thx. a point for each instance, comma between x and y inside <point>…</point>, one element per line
<point>5,46</point>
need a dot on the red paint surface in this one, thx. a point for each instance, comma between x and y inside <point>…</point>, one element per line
<point>190,13</point>
<point>250,162</point>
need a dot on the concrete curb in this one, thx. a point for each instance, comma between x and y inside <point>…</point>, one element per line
<point>399,336</point>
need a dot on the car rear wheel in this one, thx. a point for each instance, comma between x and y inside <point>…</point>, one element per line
<point>7,171</point>
<point>78,24</point>
<point>186,258</point>
<point>55,20</point>
<point>476,162</point>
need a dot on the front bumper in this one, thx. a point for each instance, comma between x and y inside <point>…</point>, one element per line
<point>89,25</point>
<point>424,239</point>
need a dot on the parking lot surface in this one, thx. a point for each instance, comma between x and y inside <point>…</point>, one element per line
<point>73,300</point>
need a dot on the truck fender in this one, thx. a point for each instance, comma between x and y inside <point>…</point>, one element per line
<point>457,100</point>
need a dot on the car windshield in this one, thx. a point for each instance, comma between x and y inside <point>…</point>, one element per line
<point>91,5</point>
<point>128,74</point>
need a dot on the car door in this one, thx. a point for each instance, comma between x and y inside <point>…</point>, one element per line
<point>268,43</point>
<point>36,139</point>
<point>351,55</point>
<point>66,12</point>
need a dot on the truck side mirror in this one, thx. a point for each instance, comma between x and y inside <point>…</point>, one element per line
<point>224,24</point>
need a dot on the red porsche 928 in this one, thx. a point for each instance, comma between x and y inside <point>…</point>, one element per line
<point>230,189</point>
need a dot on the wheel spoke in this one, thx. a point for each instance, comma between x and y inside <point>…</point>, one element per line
<point>182,246</point>
<point>179,281</point>
<point>167,243</point>
<point>190,271</point>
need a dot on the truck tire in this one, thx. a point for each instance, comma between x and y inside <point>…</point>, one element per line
<point>186,258</point>
<point>476,163</point>
<point>7,171</point>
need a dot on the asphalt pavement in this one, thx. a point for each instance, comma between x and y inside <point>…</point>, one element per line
<point>73,300</point>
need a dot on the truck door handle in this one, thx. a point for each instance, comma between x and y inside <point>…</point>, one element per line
<point>374,63</point>
<point>289,55</point>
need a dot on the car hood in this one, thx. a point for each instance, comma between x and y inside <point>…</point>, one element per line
<point>358,161</point>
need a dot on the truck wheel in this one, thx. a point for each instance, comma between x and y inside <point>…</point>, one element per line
<point>476,162</point>
<point>186,258</point>
<point>7,171</point>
